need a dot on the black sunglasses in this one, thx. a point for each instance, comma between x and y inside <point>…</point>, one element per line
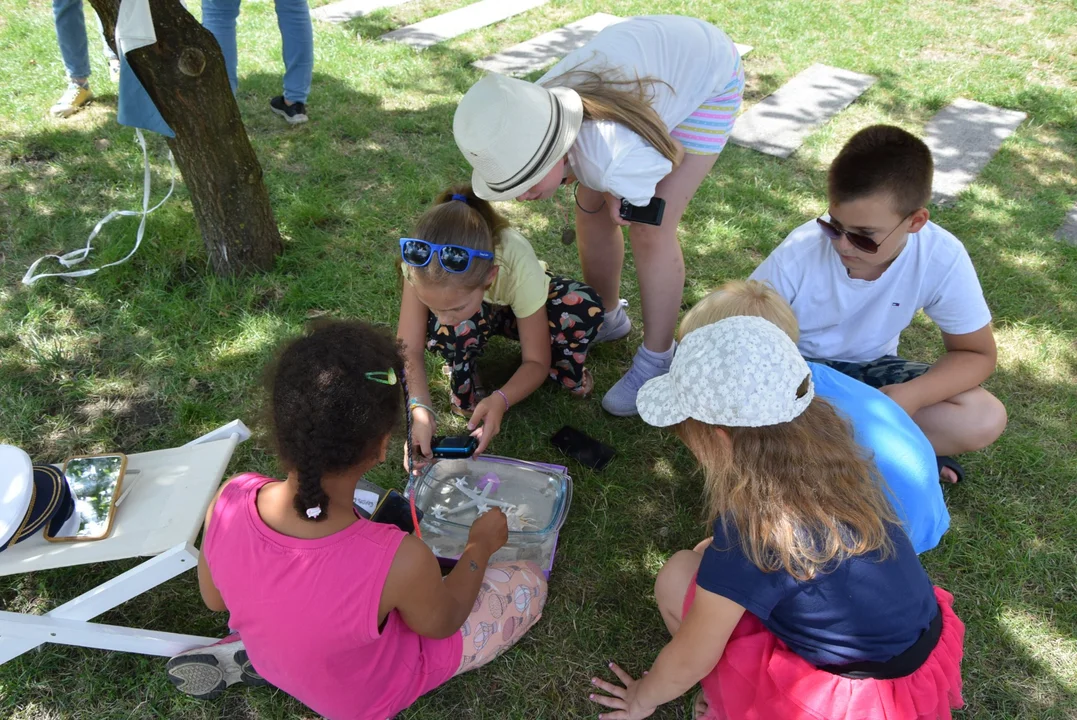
<point>859,241</point>
<point>454,258</point>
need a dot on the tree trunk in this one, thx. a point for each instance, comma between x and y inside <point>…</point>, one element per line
<point>184,74</point>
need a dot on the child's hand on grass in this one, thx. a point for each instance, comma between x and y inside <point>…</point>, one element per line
<point>485,422</point>
<point>622,699</point>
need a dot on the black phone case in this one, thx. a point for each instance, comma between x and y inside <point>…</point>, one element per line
<point>582,448</point>
<point>650,214</point>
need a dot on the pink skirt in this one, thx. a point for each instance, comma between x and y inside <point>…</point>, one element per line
<point>760,678</point>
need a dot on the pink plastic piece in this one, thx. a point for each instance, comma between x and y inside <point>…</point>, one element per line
<point>489,479</point>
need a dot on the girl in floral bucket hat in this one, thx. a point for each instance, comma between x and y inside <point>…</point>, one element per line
<point>809,601</point>
<point>640,112</point>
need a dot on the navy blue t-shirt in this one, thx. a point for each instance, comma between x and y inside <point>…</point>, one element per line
<point>866,609</point>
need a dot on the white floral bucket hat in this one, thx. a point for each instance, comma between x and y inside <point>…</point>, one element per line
<point>738,372</point>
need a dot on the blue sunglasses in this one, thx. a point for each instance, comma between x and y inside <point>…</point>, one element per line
<point>453,258</point>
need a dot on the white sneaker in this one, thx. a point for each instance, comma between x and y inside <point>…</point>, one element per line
<point>72,100</point>
<point>620,399</point>
<point>615,325</point>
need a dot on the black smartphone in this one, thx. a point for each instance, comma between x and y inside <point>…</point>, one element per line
<point>649,214</point>
<point>457,446</point>
<point>394,509</point>
<point>582,448</point>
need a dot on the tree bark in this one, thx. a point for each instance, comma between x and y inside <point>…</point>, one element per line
<point>184,74</point>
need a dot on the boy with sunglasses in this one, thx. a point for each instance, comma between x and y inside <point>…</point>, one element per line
<point>856,277</point>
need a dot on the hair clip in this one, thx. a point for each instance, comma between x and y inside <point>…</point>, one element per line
<point>314,512</point>
<point>385,377</point>
<point>460,198</point>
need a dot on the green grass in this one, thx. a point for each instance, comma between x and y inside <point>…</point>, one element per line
<point>157,351</point>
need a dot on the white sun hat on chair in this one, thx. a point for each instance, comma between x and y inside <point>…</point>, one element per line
<point>738,372</point>
<point>513,132</point>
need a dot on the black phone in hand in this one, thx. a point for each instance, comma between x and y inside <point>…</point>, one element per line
<point>649,214</point>
<point>458,446</point>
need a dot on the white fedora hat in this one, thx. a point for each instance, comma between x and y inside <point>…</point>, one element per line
<point>513,132</point>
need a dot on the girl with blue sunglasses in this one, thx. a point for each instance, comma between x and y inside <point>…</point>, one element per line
<point>467,277</point>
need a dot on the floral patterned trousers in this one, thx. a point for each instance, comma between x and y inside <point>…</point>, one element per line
<point>573,310</point>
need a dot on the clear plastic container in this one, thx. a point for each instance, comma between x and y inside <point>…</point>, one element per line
<point>534,497</point>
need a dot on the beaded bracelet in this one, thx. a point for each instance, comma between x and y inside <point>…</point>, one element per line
<point>503,397</point>
<point>414,403</point>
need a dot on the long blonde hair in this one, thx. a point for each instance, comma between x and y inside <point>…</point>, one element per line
<point>800,495</point>
<point>621,100</point>
<point>472,224</point>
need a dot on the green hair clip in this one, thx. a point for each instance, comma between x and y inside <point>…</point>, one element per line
<point>386,377</point>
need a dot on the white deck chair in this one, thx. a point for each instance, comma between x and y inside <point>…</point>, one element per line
<point>160,517</point>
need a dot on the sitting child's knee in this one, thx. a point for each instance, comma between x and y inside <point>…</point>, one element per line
<point>674,577</point>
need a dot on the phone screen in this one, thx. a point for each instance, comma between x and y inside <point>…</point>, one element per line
<point>394,509</point>
<point>582,448</point>
<point>649,214</point>
<point>95,482</point>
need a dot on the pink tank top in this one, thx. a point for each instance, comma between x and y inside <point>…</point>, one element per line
<point>307,611</point>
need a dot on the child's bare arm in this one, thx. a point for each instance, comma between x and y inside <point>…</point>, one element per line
<point>429,605</point>
<point>411,332</point>
<point>692,653</point>
<point>968,361</point>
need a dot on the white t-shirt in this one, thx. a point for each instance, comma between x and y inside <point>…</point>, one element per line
<point>861,320</point>
<point>692,59</point>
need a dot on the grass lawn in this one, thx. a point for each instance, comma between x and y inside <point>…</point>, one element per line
<point>158,351</point>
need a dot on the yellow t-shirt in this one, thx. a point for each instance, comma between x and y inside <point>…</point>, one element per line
<point>521,282</point>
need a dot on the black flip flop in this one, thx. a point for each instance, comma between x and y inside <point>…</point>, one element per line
<point>945,461</point>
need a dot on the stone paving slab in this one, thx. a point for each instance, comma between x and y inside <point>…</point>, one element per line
<point>1068,232</point>
<point>448,25</point>
<point>779,123</point>
<point>963,138</point>
<point>346,10</point>
<point>545,49</point>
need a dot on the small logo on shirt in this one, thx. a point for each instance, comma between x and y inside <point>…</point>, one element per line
<point>895,304</point>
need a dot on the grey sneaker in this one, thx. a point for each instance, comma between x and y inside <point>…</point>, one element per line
<point>205,672</point>
<point>616,325</point>
<point>620,400</point>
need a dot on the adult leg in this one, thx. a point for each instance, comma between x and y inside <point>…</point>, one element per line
<point>601,245</point>
<point>509,603</point>
<point>106,48</point>
<point>71,36</point>
<point>219,17</point>
<point>657,253</point>
<point>297,39</point>
<point>672,584</point>
<point>660,268</point>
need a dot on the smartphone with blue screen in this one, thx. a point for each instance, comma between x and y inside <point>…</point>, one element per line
<point>455,447</point>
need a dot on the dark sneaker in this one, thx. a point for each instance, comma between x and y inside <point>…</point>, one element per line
<point>295,113</point>
<point>205,672</point>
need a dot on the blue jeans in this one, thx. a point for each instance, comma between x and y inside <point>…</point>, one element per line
<point>71,34</point>
<point>297,36</point>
